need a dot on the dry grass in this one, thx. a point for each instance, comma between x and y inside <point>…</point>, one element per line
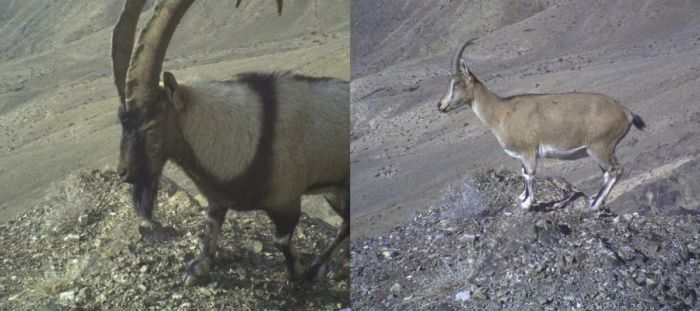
<point>71,200</point>
<point>58,278</point>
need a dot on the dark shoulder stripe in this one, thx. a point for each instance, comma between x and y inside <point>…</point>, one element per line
<point>256,177</point>
<point>253,184</point>
<point>310,79</point>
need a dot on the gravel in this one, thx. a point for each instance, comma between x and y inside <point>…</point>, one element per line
<point>104,260</point>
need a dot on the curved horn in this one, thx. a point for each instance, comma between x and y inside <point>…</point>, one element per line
<point>123,43</point>
<point>143,74</point>
<point>455,61</point>
<point>279,6</point>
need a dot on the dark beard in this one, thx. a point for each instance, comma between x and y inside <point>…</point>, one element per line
<point>143,193</point>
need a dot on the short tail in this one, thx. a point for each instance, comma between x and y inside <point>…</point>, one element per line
<point>638,122</point>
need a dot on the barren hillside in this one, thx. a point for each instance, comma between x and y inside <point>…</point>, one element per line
<point>646,54</point>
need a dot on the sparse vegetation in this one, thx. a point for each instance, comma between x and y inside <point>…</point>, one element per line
<point>70,203</point>
<point>58,278</point>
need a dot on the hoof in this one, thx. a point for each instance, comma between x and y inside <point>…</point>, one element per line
<point>522,196</point>
<point>339,271</point>
<point>593,207</point>
<point>197,272</point>
<point>192,280</point>
<point>526,204</point>
<point>316,272</point>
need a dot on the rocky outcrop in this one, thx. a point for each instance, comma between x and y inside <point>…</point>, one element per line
<point>85,249</point>
<point>477,250</point>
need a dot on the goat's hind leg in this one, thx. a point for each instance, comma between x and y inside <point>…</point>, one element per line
<point>611,173</point>
<point>286,219</point>
<point>339,200</point>
<point>198,271</point>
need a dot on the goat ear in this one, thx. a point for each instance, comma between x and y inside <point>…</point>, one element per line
<point>172,90</point>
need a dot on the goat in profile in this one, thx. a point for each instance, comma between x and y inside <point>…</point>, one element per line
<point>565,126</point>
<point>257,142</point>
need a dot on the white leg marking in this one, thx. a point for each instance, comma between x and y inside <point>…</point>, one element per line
<point>527,195</point>
<point>527,203</point>
<point>608,185</point>
<point>283,240</point>
<point>522,196</point>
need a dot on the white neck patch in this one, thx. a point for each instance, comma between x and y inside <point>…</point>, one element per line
<point>477,111</point>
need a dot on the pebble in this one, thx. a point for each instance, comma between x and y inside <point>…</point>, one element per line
<point>83,219</point>
<point>257,247</point>
<point>396,288</point>
<point>71,237</point>
<point>468,237</point>
<point>67,295</point>
<point>463,296</point>
<point>390,254</point>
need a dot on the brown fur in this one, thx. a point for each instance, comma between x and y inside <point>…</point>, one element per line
<point>529,126</point>
<point>242,146</point>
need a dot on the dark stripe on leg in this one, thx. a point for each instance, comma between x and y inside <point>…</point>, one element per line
<point>285,221</point>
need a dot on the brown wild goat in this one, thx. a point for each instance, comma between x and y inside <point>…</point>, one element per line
<point>565,126</point>
<point>259,141</point>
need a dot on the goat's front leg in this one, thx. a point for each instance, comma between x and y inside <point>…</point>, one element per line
<point>529,163</point>
<point>198,271</point>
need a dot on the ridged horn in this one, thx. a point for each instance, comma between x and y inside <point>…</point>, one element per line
<point>123,43</point>
<point>455,61</point>
<point>143,74</point>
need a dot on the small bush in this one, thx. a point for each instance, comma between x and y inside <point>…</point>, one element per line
<point>59,278</point>
<point>71,199</point>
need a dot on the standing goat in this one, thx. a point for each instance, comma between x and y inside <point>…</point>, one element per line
<point>259,141</point>
<point>565,126</point>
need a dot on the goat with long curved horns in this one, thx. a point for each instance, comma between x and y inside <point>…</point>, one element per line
<point>565,126</point>
<point>259,141</point>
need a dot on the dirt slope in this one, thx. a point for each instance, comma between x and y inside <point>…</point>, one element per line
<point>57,99</point>
<point>405,154</point>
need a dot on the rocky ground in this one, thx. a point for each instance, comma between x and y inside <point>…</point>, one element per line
<point>424,237</point>
<point>476,250</point>
<point>83,248</point>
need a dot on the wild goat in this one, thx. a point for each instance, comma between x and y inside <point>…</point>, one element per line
<point>565,126</point>
<point>259,141</point>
